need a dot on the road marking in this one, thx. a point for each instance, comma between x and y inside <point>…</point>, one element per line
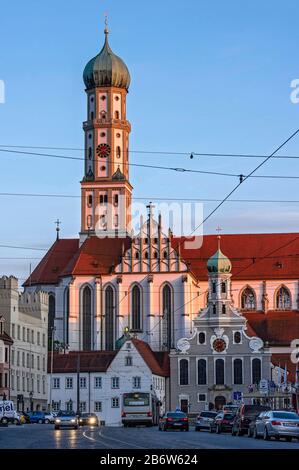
<point>122,442</point>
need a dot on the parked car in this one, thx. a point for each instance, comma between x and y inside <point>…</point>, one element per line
<point>38,417</point>
<point>174,420</point>
<point>204,420</point>
<point>49,418</point>
<point>88,419</point>
<point>232,408</point>
<point>244,416</point>
<point>252,423</point>
<point>66,419</point>
<point>277,424</point>
<point>223,422</point>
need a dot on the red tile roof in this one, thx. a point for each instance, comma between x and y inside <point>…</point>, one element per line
<point>253,256</point>
<point>53,263</point>
<point>97,256</point>
<point>90,361</point>
<point>280,253</point>
<point>279,328</point>
<point>158,362</point>
<point>99,361</point>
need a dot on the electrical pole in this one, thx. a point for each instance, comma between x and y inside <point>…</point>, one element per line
<point>51,370</point>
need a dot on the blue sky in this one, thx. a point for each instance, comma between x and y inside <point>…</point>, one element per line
<point>207,76</point>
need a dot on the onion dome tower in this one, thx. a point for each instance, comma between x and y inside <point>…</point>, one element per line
<point>105,189</point>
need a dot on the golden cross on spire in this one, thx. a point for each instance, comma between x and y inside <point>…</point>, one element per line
<point>106,30</point>
<point>219,230</point>
<point>57,222</point>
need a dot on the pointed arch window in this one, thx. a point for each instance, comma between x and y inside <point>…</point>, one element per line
<point>167,316</point>
<point>136,309</point>
<point>109,319</point>
<point>86,318</point>
<point>238,372</point>
<point>219,371</point>
<point>256,371</point>
<point>66,315</point>
<point>51,315</point>
<point>248,299</point>
<point>283,299</point>
<point>184,372</point>
<point>202,372</point>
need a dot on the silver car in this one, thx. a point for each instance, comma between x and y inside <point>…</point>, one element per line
<point>204,420</point>
<point>277,424</point>
<point>66,419</point>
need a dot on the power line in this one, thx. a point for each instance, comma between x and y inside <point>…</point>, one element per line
<point>154,198</point>
<point>241,177</point>
<point>157,152</point>
<point>242,181</point>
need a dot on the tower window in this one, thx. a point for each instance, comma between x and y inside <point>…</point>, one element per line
<point>214,309</point>
<point>101,199</point>
<point>91,99</point>
<point>156,255</point>
<point>223,287</point>
<point>89,221</point>
<point>118,152</point>
<point>155,241</point>
<point>224,309</point>
<point>237,337</point>
<point>103,168</point>
<point>103,134</point>
<point>89,136</point>
<point>146,255</point>
<point>116,114</point>
<point>202,337</point>
<point>103,114</point>
<point>103,97</point>
<point>105,198</point>
<point>116,220</point>
<point>89,153</point>
<point>115,199</point>
<point>165,255</point>
<point>146,241</point>
<point>118,135</point>
<point>136,255</point>
<point>89,200</point>
<point>92,115</point>
<point>116,98</point>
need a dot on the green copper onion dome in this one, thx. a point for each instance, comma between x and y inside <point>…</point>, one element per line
<point>219,263</point>
<point>106,69</point>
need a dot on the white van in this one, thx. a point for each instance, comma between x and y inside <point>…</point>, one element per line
<point>8,413</point>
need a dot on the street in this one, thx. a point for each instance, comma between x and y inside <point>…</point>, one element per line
<point>43,436</point>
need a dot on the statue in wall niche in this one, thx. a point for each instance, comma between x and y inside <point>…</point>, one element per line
<point>265,302</point>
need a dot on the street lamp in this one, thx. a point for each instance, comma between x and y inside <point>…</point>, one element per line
<point>31,400</point>
<point>51,371</point>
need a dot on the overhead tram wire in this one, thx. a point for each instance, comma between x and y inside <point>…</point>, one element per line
<point>242,177</point>
<point>153,198</point>
<point>158,152</point>
<point>241,182</point>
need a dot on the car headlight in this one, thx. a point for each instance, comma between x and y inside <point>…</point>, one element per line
<point>57,420</point>
<point>73,420</point>
<point>92,421</point>
<point>81,420</point>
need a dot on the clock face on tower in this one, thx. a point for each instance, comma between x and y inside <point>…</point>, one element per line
<point>219,345</point>
<point>103,150</point>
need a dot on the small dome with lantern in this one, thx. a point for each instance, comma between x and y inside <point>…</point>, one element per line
<point>219,263</point>
<point>106,69</point>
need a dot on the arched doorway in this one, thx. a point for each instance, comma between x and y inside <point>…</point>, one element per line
<point>220,401</point>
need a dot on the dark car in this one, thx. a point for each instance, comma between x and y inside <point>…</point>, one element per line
<point>174,420</point>
<point>88,419</point>
<point>244,416</point>
<point>204,420</point>
<point>223,422</point>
